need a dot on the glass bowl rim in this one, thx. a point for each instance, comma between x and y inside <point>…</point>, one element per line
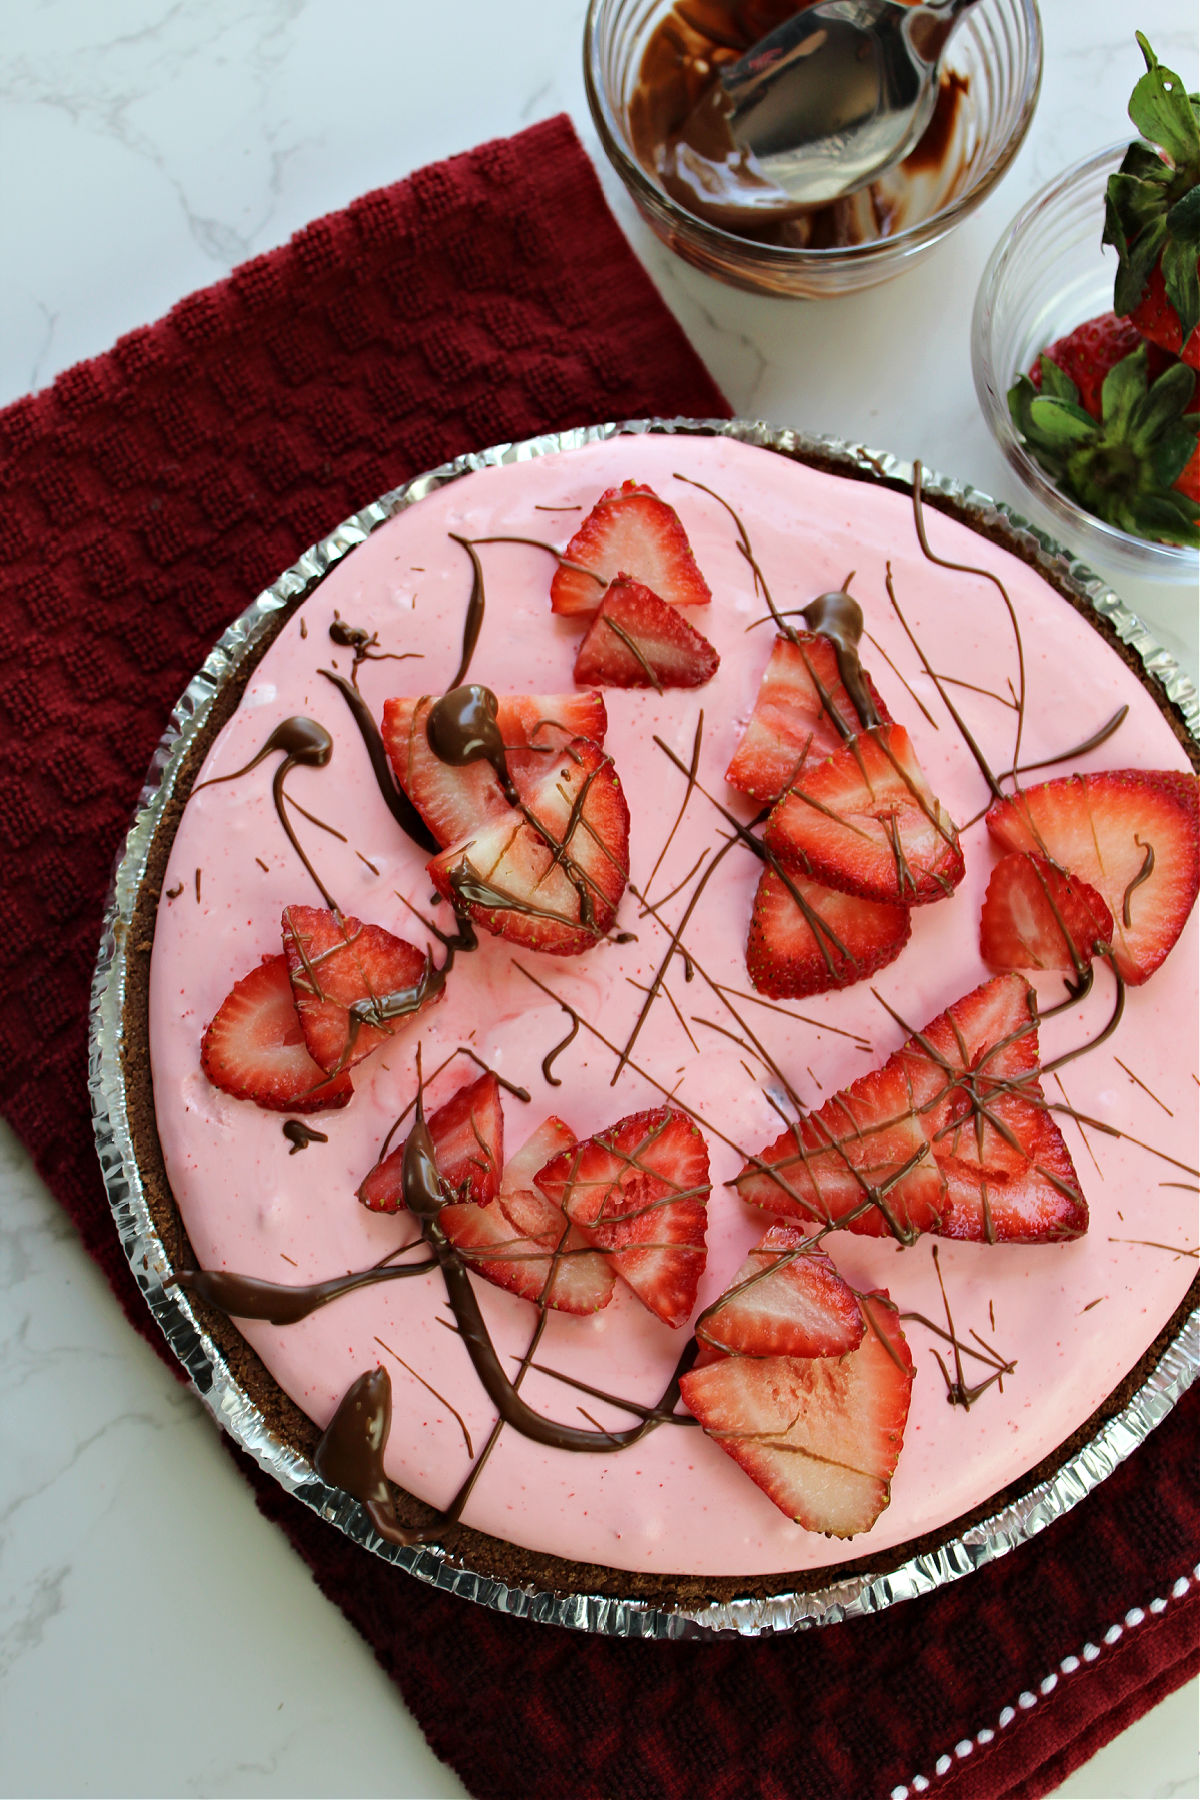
<point>927,230</point>
<point>1141,556</point>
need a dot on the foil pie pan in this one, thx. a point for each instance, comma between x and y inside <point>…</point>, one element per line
<point>863,1593</point>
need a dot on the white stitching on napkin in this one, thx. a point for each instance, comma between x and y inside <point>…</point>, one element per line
<point>920,1784</point>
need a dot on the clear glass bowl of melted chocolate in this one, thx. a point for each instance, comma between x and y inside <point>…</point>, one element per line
<point>650,65</point>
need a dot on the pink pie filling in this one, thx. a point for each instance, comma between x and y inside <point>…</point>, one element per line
<point>1073,1317</point>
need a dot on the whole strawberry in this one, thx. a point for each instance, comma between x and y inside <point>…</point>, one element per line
<point>1152,213</point>
<point>1134,466</point>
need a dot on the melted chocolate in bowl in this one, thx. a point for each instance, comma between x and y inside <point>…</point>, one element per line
<point>679,132</point>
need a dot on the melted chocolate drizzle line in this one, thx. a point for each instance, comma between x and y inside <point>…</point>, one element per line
<point>321,824</point>
<point>838,617</point>
<point>394,798</point>
<point>246,1297</point>
<point>1143,874</point>
<point>908,687</point>
<point>693,769</point>
<point>942,562</point>
<point>974,688</point>
<point>802,1018</point>
<point>476,605</point>
<point>422,1193</point>
<point>429,1389</point>
<point>300,1135</point>
<point>677,889</point>
<point>1097,738</point>
<point>552,1056</point>
<point>964,731</point>
<point>1087,1142</point>
<point>1148,1244</point>
<point>1139,1083</point>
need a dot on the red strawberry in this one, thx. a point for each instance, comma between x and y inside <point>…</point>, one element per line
<point>823,940</point>
<point>865,1152</point>
<point>1155,318</point>
<point>787,1299</point>
<point>254,1049</point>
<point>452,801</point>
<point>1088,353</point>
<point>973,1076</point>
<point>795,719</point>
<point>629,531</point>
<point>639,1191</point>
<point>1035,917</point>
<point>637,640</point>
<point>1151,216</point>
<point>1129,833</point>
<point>866,822</point>
<point>556,889</point>
<point>468,1143</point>
<point>820,1435</point>
<point>547,1259</point>
<point>354,985</point>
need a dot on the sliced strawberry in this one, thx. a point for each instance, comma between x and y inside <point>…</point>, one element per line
<point>557,887</point>
<point>1035,917</point>
<point>636,640</point>
<point>1132,834</point>
<point>973,1076</point>
<point>820,1435</point>
<point>468,1144</point>
<point>803,713</point>
<point>787,1299</point>
<point>255,1050</point>
<point>866,822</point>
<point>354,985</point>
<point>454,800</point>
<point>864,1160</point>
<point>820,940</point>
<point>629,531</point>
<point>545,1257</point>
<point>640,1192</point>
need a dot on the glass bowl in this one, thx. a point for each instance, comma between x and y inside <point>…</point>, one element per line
<point>994,61</point>
<point>1049,273</point>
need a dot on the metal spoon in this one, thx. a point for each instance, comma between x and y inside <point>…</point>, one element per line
<point>826,102</point>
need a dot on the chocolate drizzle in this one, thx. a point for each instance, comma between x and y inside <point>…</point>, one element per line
<point>246,1297</point>
<point>305,744</point>
<point>461,728</point>
<point>300,1135</point>
<point>839,617</point>
<point>394,797</point>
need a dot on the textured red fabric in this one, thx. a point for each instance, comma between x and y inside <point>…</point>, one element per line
<point>146,497</point>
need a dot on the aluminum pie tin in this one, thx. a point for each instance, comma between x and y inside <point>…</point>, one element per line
<point>1012,1524</point>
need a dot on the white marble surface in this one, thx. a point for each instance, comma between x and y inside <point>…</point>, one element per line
<point>146,146</point>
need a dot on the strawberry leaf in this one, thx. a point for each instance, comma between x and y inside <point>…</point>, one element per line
<point>1161,109</point>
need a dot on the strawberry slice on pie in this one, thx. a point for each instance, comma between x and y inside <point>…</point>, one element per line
<point>973,1072</point>
<point>806,938</point>
<point>820,1435</point>
<point>863,1161</point>
<point>787,1299</point>
<point>639,1192</point>
<point>636,640</point>
<point>254,1048</point>
<point>1132,835</point>
<point>803,713</point>
<point>952,1135</point>
<point>865,821</point>
<point>550,875</point>
<point>468,1143</point>
<point>454,799</point>
<point>629,531</point>
<point>1036,917</point>
<point>525,1243</point>
<point>354,985</point>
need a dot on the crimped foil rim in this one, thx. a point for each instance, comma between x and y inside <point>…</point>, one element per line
<point>858,1595</point>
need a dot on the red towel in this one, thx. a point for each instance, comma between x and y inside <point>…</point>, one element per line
<point>486,298</point>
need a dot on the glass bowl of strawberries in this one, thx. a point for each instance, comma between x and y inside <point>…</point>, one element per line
<point>1076,345</point>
